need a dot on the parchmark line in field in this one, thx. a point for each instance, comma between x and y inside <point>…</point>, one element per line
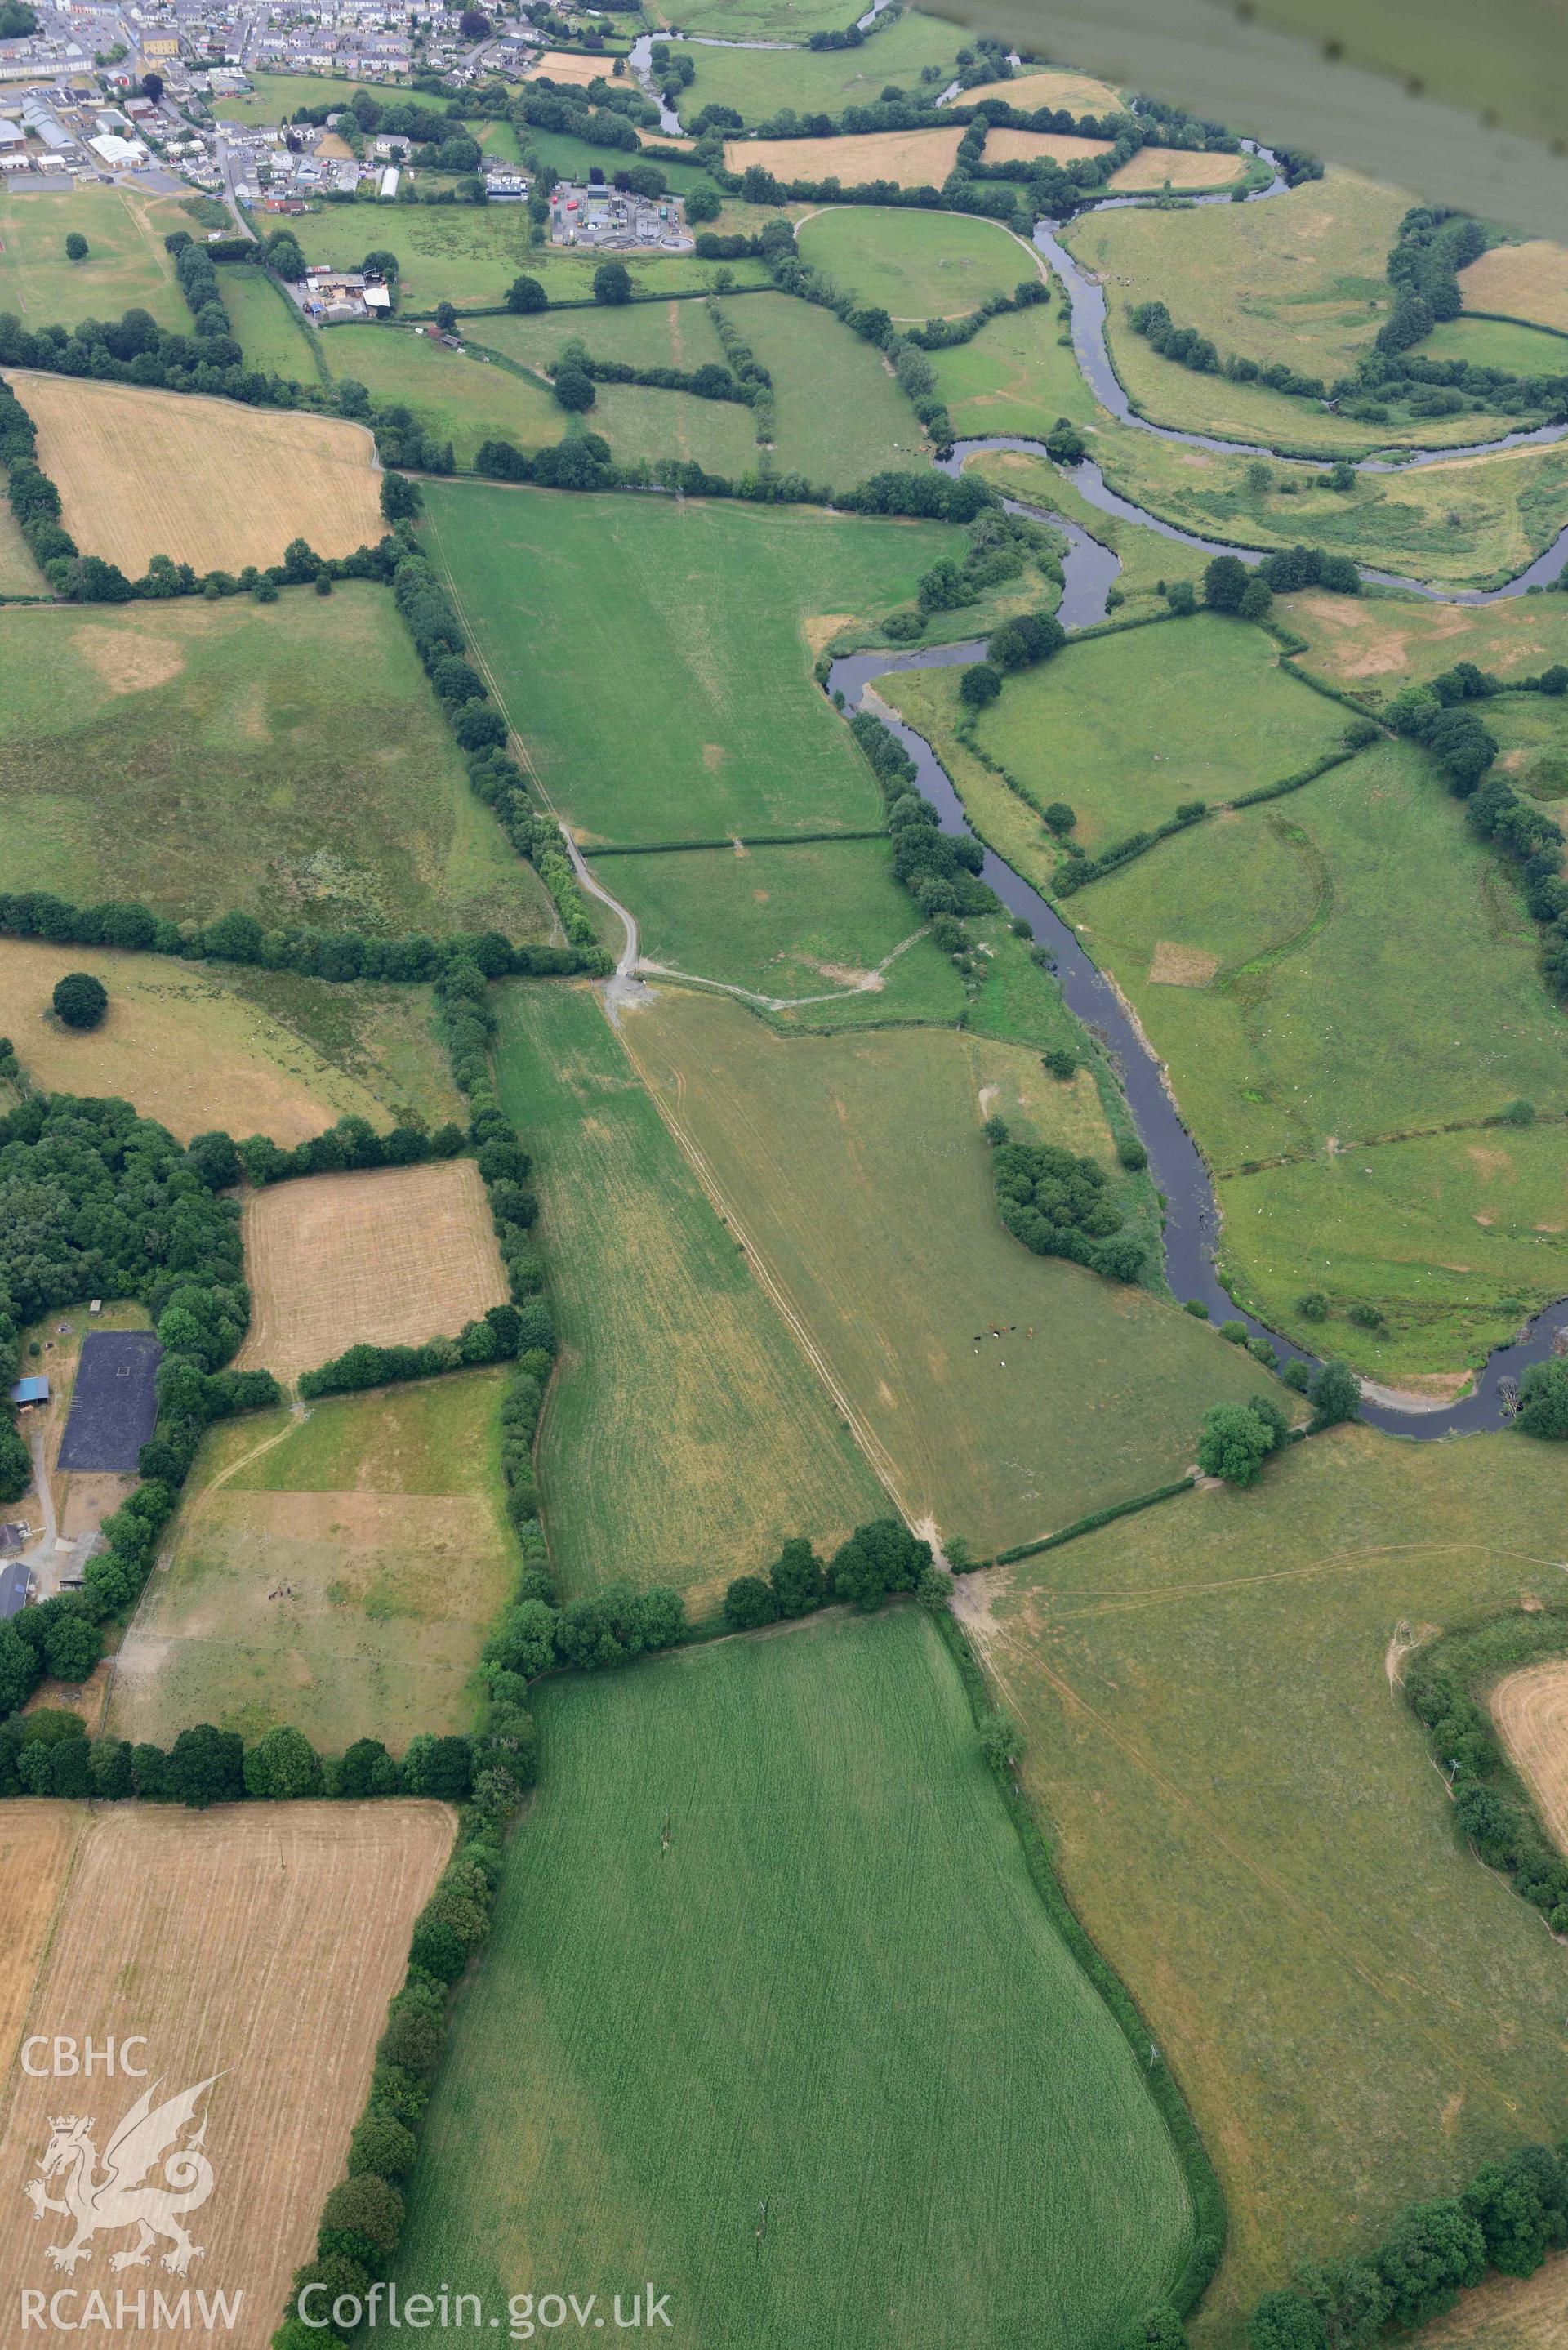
<point>865,1435</point>
<point>1397,1991</point>
<point>1120,1603</point>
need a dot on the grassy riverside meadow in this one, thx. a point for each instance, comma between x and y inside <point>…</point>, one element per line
<point>939,2062</point>
<point>654,656</point>
<point>287,761</point>
<point>685,1437</point>
<point>1127,728</point>
<point>125,264</point>
<point>336,1573</point>
<point>855,1170</point>
<point>1357,2011</point>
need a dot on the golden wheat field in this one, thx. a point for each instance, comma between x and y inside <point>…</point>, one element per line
<point>1077,93</point>
<point>1029,146</point>
<point>913,158</point>
<point>253,1947</point>
<point>205,482</point>
<point>391,1257</point>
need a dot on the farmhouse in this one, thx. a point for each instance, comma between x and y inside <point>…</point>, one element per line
<point>337,297</point>
<point>114,1405</point>
<point>613,221</point>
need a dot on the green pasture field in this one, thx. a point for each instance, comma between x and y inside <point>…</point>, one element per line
<point>1498,343</point>
<point>639,334</point>
<point>457,396</point>
<point>928,699</point>
<point>276,98</point>
<point>916,265</point>
<point>815,920</point>
<point>1343,964</point>
<point>918,53</point>
<point>1467,523</point>
<point>1018,375</point>
<point>863,2008</point>
<point>1373,644</point>
<point>1128,727</point>
<point>126,266</point>
<point>685,1435</point>
<point>1459,1237</point>
<point>750,20</point>
<point>339,1572</point>
<point>566,158</point>
<point>839,416</point>
<point>855,1166</point>
<point>655,658</point>
<point>1244,1813</point>
<point>286,760</point>
<point>272,334</point>
<point>1146,558</point>
<point>1532,730</point>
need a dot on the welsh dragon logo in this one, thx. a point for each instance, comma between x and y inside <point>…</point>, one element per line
<point>120,2194</point>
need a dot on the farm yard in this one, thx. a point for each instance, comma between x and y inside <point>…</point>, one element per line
<point>685,1437</point>
<point>220,1937</point>
<point>1208,1696</point>
<point>682,628</point>
<point>286,761</point>
<point>204,481</point>
<point>336,1573</point>
<point>823,1796</point>
<point>388,1258</point>
<point>855,1169</point>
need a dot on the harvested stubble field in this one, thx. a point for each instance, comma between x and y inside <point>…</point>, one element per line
<point>915,265</point>
<point>196,1046</point>
<point>1006,146</point>
<point>1174,167</point>
<point>336,1571</point>
<point>1073,93</point>
<point>855,1168</point>
<point>1526,281</point>
<point>392,1257</point>
<point>257,1943</point>
<point>685,1437</point>
<point>36,1842</point>
<point>1359,2013</point>
<point>286,760</point>
<point>867,2027</point>
<point>207,481</point>
<point>566,65</point>
<point>910,158</point>
<point>1509,2313</point>
<point>1531,1710</point>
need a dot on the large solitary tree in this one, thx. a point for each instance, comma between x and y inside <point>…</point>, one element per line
<point>80,1000</point>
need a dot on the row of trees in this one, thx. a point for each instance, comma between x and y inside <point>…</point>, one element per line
<point>1185,347</point>
<point>940,870</point>
<point>877,1559</point>
<point>49,1752</point>
<point>1513,2213</point>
